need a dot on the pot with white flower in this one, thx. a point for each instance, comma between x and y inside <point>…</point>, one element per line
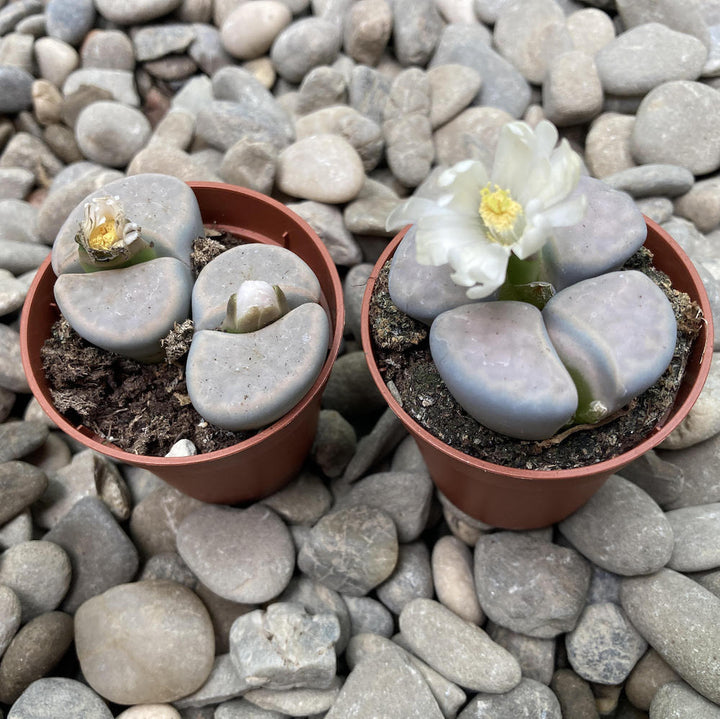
<point>519,327</point>
<point>188,329</point>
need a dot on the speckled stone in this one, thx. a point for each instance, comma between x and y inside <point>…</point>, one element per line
<point>460,651</point>
<point>245,555</point>
<point>404,496</point>
<point>20,485</point>
<point>411,579</point>
<point>604,646</point>
<point>59,698</point>
<point>155,520</point>
<point>367,615</point>
<point>10,616</point>
<point>695,530</point>
<point>351,550</point>
<point>316,598</point>
<point>385,685</point>
<point>530,585</point>
<point>681,620</point>
<point>100,552</point>
<point>536,657</point>
<point>528,696</point>
<point>677,699</point>
<point>39,573</point>
<point>303,501</point>
<point>33,652</point>
<point>362,647</point>
<point>621,529</point>
<point>284,647</point>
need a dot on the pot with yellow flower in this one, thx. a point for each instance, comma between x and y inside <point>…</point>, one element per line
<point>522,329</point>
<point>188,329</point>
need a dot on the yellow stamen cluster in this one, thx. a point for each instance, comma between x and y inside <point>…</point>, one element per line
<point>498,210</point>
<point>103,237</point>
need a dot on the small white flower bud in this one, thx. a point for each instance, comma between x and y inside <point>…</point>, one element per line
<point>256,304</point>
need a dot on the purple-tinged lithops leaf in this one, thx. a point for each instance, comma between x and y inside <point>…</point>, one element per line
<point>610,232</point>
<point>422,291</point>
<point>497,361</point>
<point>616,335</point>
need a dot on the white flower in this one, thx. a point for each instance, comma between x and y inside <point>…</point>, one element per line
<point>483,218</point>
<point>106,234</point>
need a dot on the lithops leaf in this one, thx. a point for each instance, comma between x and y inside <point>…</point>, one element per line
<point>246,381</point>
<point>610,232</point>
<point>497,361</point>
<point>421,291</point>
<point>127,310</point>
<point>616,335</point>
<point>272,264</point>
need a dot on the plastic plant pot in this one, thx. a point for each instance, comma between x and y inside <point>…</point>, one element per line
<point>267,461</point>
<point>527,499</point>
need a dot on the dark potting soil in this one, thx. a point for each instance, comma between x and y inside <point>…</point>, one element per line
<point>140,408</point>
<point>403,357</point>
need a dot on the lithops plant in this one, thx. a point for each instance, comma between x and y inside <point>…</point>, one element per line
<point>533,325</point>
<point>139,231</point>
<point>124,280</point>
<point>244,372</point>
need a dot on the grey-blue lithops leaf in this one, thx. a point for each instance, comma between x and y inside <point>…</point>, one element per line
<point>612,229</point>
<point>163,207</point>
<point>421,291</point>
<point>275,265</point>
<point>246,381</point>
<point>497,361</point>
<point>127,310</point>
<point>616,335</point>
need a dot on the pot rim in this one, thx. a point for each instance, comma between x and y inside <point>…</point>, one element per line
<point>91,440</point>
<point>608,466</point>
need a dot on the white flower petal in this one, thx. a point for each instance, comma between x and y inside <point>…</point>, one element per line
<point>481,262</point>
<point>439,235</point>
<point>546,136</point>
<point>409,212</point>
<point>466,186</point>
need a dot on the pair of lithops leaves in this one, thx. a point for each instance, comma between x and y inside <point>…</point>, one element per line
<point>260,335</point>
<point>604,336</point>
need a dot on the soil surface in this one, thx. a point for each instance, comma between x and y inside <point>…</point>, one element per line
<point>403,356</point>
<point>140,408</point>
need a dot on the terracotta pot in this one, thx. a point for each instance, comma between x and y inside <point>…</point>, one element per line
<point>267,461</point>
<point>526,499</point>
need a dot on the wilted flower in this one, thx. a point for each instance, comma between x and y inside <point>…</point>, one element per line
<point>106,235</point>
<point>256,304</point>
<point>482,219</point>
